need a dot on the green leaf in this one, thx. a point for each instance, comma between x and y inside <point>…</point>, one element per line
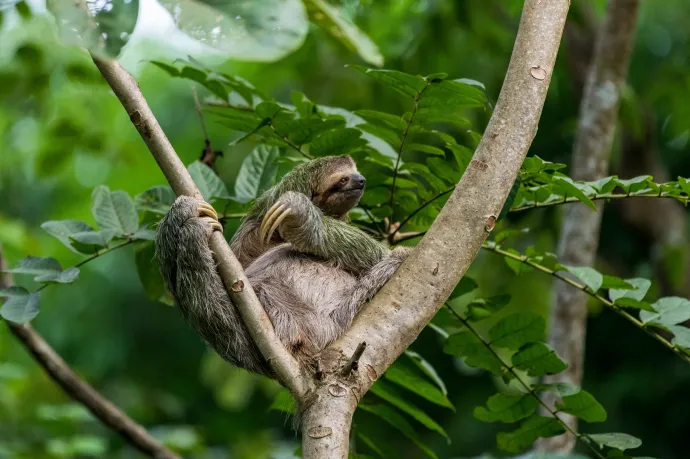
<point>63,229</point>
<point>533,428</point>
<point>560,389</point>
<point>427,368</point>
<point>511,198</point>
<point>392,396</point>
<point>410,380</point>
<point>428,149</point>
<point>505,234</point>
<point>335,21</point>
<point>20,309</point>
<point>517,329</point>
<point>605,185</point>
<point>267,109</point>
<point>207,181</point>
<point>440,114</point>
<point>382,119</point>
<point>635,184</point>
<point>482,308</point>
<point>591,277</point>
<point>476,354</point>
<point>45,270</point>
<point>392,417</point>
<point>150,275</point>
<point>452,94</point>
<point>466,285</point>
<point>538,359</point>
<point>284,402</point>
<point>114,211</point>
<point>157,199</point>
<point>506,408</point>
<point>584,406</point>
<point>619,441</point>
<point>91,241</point>
<point>257,173</point>
<point>571,189</point>
<point>681,336</point>
<point>337,142</point>
<point>384,133</point>
<point>640,288</point>
<point>613,282</point>
<point>404,83</point>
<point>13,291</point>
<point>671,310</point>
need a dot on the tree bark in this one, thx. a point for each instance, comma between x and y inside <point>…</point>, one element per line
<point>580,233</point>
<point>396,316</point>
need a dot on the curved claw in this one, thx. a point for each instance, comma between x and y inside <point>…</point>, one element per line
<point>213,223</point>
<point>273,218</point>
<point>208,210</point>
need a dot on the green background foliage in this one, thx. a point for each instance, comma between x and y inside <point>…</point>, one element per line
<point>77,181</point>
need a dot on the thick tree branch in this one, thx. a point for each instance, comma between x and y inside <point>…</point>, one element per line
<point>395,317</point>
<point>580,235</point>
<point>243,296</point>
<point>80,390</point>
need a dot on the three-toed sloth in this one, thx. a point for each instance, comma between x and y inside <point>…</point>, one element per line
<point>310,268</point>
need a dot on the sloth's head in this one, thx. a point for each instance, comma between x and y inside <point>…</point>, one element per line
<point>336,185</point>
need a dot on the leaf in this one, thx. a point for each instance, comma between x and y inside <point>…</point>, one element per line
<point>46,270</point>
<point>267,109</point>
<point>207,181</point>
<point>452,94</point>
<point>392,417</point>
<point>560,389</point>
<point>613,282</point>
<point>405,377</point>
<point>681,336</point>
<point>91,241</point>
<point>619,441</point>
<point>386,134</point>
<point>337,142</point>
<point>571,189</point>
<point>382,118</point>
<point>428,149</point>
<point>671,310</point>
<point>404,83</point>
<point>63,229</point>
<point>505,234</point>
<point>392,396</point>
<point>476,354</point>
<point>466,285</point>
<point>114,211</point>
<point>431,115</point>
<point>257,173</point>
<point>20,309</point>
<point>511,199</point>
<point>486,307</point>
<point>533,428</point>
<point>641,286</point>
<point>284,402</point>
<point>591,277</point>
<point>635,184</point>
<point>584,406</point>
<point>538,359</point>
<point>150,275</point>
<point>13,291</point>
<point>506,408</point>
<point>517,329</point>
<point>334,21</point>
<point>428,369</point>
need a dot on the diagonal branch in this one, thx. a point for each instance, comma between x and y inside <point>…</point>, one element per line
<point>243,296</point>
<point>80,390</point>
<point>398,313</point>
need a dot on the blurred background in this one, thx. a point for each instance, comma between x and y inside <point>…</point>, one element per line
<point>62,133</point>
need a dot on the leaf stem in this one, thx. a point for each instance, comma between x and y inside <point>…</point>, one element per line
<point>554,413</point>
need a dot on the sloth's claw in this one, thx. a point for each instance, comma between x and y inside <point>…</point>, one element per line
<point>206,209</point>
<point>275,215</point>
<point>213,223</point>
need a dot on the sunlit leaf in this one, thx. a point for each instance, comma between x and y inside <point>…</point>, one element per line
<point>584,406</point>
<point>619,441</point>
<point>428,369</point>
<point>671,310</point>
<point>560,389</point>
<point>207,181</point>
<point>408,85</point>
<point>114,211</point>
<point>257,173</point>
<point>641,286</point>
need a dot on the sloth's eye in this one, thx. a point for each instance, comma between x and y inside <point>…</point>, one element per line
<point>343,181</point>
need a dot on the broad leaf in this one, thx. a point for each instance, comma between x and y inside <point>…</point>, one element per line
<point>114,211</point>
<point>591,277</point>
<point>671,310</point>
<point>20,309</point>
<point>560,389</point>
<point>337,142</point>
<point>533,428</point>
<point>404,83</point>
<point>584,406</point>
<point>209,184</point>
<point>466,285</point>
<point>619,441</point>
<point>150,275</point>
<point>538,359</point>
<point>257,173</point>
<point>507,408</point>
<point>641,286</point>
<point>45,270</point>
<point>570,188</point>
<point>476,354</point>
<point>63,229</point>
<point>517,329</point>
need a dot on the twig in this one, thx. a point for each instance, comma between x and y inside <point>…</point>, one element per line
<point>527,387</point>
<point>353,364</point>
<point>257,322</point>
<point>208,154</point>
<point>81,391</point>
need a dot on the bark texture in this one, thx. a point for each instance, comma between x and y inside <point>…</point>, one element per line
<point>80,390</point>
<point>396,316</point>
<point>580,233</point>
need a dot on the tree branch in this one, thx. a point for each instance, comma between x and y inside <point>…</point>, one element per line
<point>80,390</point>
<point>580,235</point>
<point>406,303</point>
<point>243,296</point>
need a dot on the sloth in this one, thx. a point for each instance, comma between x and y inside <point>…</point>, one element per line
<point>310,268</point>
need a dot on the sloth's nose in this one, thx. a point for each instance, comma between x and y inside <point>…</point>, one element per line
<point>358,179</point>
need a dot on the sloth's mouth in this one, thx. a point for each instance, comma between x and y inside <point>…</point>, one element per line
<point>353,191</point>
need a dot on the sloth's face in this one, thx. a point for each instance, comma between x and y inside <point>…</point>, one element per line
<point>341,189</point>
